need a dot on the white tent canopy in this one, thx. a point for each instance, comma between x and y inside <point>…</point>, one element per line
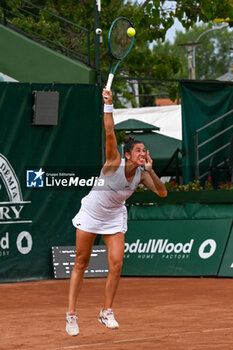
<point>167,118</point>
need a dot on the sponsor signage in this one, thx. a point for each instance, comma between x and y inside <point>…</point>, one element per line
<point>61,180</point>
<point>44,173</point>
<point>175,247</point>
<point>226,268</point>
<point>64,257</point>
<point>17,238</point>
<point>15,222</point>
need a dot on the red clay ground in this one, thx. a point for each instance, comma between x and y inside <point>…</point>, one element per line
<point>153,313</point>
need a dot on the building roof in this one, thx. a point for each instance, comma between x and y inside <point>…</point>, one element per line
<point>226,77</point>
<point>165,102</point>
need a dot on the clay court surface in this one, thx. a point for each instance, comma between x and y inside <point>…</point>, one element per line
<point>153,313</point>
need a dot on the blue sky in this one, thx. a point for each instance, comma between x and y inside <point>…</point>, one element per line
<point>170,5</point>
<point>170,35</point>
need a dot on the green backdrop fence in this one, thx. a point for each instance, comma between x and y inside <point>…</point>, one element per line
<point>203,102</point>
<point>190,239</point>
<point>34,219</point>
<point>169,239</point>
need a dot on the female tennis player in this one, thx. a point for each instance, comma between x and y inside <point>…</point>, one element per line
<point>103,212</point>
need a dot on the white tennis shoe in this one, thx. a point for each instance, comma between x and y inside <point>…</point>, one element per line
<point>71,323</point>
<point>107,318</point>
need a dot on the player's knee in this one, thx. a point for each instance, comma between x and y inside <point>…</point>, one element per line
<point>81,263</point>
<point>116,266</point>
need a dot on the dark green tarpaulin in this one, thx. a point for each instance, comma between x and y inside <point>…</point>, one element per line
<point>203,102</point>
<point>32,220</point>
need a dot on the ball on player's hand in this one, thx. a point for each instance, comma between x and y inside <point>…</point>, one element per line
<point>131,32</point>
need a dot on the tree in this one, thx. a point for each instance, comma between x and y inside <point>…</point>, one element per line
<point>213,55</point>
<point>152,19</point>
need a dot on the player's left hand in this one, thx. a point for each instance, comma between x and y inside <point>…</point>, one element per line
<point>107,96</point>
<point>148,162</point>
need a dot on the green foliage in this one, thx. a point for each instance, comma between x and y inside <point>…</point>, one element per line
<point>212,57</point>
<point>191,186</point>
<point>189,12</point>
<point>152,19</point>
<point>226,186</point>
<point>196,186</point>
<point>41,22</point>
<point>120,135</point>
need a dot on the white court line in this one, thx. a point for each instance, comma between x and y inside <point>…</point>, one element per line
<point>146,338</point>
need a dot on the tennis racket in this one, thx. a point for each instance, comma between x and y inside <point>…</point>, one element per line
<point>119,45</point>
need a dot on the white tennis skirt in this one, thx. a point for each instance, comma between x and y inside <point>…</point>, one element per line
<point>104,225</point>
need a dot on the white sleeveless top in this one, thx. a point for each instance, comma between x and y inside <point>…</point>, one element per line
<point>103,210</point>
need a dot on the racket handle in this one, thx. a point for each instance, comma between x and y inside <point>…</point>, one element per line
<point>109,82</point>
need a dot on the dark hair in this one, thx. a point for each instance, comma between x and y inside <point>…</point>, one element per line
<point>129,142</point>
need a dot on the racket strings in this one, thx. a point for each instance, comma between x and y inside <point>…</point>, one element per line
<point>120,42</point>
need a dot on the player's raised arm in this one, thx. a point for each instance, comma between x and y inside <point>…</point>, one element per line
<point>113,157</point>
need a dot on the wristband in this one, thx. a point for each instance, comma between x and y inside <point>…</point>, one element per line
<point>108,108</point>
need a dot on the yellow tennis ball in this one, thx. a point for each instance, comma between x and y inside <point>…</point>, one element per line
<point>131,32</point>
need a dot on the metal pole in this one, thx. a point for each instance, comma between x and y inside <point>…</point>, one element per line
<point>197,155</point>
<point>88,48</point>
<point>3,4</point>
<point>97,8</point>
<point>177,166</point>
<point>197,40</point>
<point>191,68</point>
<point>97,42</point>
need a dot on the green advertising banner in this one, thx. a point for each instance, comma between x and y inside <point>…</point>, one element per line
<point>226,268</point>
<point>45,170</point>
<point>175,247</point>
